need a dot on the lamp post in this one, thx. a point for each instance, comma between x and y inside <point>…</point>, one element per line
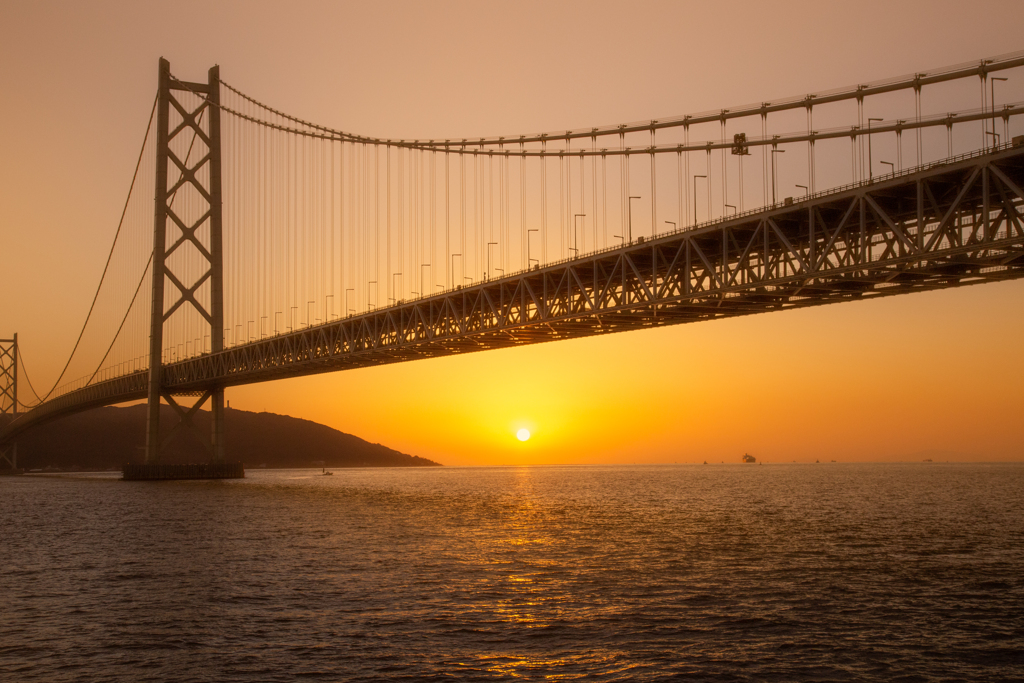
<point>369,303</point>
<point>730,206</point>
<point>804,188</point>
<point>774,181</point>
<point>892,166</point>
<point>576,230</point>
<point>528,245</point>
<point>487,275</point>
<point>423,292</point>
<point>453,268</point>
<point>673,224</point>
<point>376,291</point>
<point>695,196</point>
<point>394,287</point>
<point>993,100</point>
<point>630,226</point>
<point>347,309</point>
<point>870,169</point>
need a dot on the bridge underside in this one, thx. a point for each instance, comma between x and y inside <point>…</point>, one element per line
<point>955,223</point>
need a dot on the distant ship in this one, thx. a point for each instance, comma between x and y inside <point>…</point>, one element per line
<point>749,458</point>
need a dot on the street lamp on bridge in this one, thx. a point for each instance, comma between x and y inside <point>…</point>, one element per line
<point>630,226</point>
<point>870,169</point>
<point>695,197</point>
<point>394,287</point>
<point>487,275</point>
<point>453,268</point>
<point>368,303</point>
<point>774,174</point>
<point>423,292</point>
<point>576,230</point>
<point>993,101</point>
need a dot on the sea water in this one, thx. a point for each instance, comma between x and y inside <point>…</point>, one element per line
<point>721,572</point>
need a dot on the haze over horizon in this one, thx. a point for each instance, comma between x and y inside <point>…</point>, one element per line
<point>865,381</point>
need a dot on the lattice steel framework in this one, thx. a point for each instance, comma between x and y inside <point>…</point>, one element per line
<point>9,395</point>
<point>189,231</point>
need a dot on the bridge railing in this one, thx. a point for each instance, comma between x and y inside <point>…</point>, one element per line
<point>123,369</point>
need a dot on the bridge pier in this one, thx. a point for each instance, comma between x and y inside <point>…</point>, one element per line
<point>9,455</point>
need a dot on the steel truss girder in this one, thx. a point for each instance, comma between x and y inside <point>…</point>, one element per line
<point>950,225</point>
<point>872,241</point>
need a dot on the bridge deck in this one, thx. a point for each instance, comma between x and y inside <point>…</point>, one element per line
<point>949,224</point>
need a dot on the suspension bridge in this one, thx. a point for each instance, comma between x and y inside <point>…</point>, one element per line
<point>275,247</point>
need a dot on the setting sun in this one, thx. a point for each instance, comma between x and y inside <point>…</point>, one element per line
<point>523,434</point>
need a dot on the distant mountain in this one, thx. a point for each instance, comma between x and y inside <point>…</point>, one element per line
<point>109,437</point>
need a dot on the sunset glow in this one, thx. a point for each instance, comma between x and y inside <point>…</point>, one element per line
<point>782,385</point>
<point>512,340</point>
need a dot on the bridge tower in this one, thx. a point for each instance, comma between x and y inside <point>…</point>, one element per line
<point>198,174</point>
<point>9,396</point>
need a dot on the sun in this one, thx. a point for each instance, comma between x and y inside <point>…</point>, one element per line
<point>523,434</point>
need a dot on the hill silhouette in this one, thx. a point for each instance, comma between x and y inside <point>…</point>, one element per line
<point>107,438</point>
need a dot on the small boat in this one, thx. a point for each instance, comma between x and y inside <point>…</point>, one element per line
<point>326,473</point>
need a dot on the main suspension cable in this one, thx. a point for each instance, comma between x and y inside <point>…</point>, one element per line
<point>123,320</point>
<point>24,370</point>
<point>110,256</point>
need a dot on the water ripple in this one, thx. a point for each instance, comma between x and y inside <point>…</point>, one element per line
<point>775,573</point>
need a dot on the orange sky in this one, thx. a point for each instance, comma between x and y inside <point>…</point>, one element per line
<point>864,381</point>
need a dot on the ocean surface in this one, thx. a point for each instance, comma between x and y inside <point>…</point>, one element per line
<point>895,572</point>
